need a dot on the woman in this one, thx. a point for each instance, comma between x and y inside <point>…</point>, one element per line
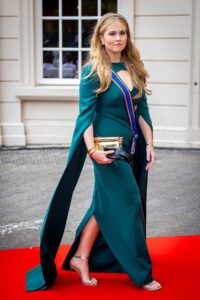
<point>113,231</point>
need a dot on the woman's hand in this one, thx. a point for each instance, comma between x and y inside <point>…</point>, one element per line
<point>150,156</point>
<point>100,157</point>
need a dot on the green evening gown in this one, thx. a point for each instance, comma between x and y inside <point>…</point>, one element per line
<point>119,196</point>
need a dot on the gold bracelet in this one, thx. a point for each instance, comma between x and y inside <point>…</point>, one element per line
<point>91,150</point>
<point>150,145</point>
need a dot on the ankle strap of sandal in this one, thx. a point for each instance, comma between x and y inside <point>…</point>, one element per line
<point>81,256</point>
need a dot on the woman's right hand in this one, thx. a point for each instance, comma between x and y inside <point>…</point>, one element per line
<point>100,156</point>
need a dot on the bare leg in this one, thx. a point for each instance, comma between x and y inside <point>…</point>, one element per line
<point>87,239</point>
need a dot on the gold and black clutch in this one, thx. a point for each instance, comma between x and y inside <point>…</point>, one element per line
<point>112,143</point>
<point>108,143</point>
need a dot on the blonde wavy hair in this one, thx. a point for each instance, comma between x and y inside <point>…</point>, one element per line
<point>101,63</point>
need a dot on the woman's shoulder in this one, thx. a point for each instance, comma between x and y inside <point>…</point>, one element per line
<point>86,77</point>
<point>86,69</point>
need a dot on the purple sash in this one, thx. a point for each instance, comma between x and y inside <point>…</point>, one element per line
<point>129,107</point>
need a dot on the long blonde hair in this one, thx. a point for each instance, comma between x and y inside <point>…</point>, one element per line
<point>101,63</point>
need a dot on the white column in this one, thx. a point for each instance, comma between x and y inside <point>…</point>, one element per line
<point>127,10</point>
<point>193,135</point>
<point>11,127</point>
<point>27,34</point>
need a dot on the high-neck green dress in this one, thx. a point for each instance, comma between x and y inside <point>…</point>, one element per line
<point>119,196</point>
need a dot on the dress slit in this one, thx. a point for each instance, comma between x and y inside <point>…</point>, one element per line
<point>120,245</point>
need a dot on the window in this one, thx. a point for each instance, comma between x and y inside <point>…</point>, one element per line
<point>65,31</point>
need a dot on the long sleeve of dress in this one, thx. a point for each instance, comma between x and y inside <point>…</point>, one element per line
<point>43,275</point>
<point>141,174</point>
<point>87,105</point>
<point>143,110</point>
<point>88,98</point>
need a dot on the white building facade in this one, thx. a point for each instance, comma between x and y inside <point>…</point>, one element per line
<point>39,97</point>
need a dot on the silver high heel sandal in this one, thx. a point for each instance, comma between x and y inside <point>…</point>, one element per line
<point>152,286</point>
<point>92,282</point>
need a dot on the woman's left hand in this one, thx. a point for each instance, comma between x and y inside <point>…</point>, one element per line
<point>150,156</point>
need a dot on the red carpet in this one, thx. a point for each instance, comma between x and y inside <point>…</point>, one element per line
<point>176,264</point>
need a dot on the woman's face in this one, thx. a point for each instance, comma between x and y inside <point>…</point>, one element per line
<point>114,38</point>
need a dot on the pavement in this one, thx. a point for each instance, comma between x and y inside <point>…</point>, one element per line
<point>29,176</point>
